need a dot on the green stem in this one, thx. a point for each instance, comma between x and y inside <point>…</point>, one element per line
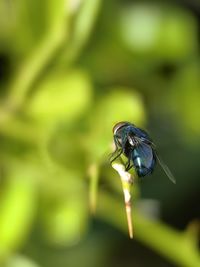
<point>32,67</point>
<point>16,129</point>
<point>94,179</point>
<point>82,28</point>
<point>173,245</point>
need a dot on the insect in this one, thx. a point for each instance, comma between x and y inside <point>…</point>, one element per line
<point>138,148</point>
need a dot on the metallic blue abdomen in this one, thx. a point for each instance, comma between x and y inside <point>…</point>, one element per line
<point>143,160</point>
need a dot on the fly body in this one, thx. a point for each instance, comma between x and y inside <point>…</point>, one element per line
<point>138,148</point>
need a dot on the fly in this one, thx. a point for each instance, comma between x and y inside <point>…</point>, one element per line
<point>138,148</point>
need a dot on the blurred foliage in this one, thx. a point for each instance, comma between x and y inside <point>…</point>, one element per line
<point>69,70</point>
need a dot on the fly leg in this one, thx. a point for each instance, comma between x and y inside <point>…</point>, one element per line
<point>117,149</point>
<point>116,144</point>
<point>117,156</point>
<point>128,165</point>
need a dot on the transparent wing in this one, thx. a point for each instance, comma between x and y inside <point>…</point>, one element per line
<point>146,154</point>
<point>162,164</point>
<point>166,169</point>
<point>146,151</point>
<point>147,141</point>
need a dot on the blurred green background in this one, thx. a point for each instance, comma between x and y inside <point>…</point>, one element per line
<point>69,70</point>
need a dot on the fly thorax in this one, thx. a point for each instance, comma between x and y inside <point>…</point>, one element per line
<point>131,141</point>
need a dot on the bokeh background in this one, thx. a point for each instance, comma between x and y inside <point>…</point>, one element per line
<point>69,70</point>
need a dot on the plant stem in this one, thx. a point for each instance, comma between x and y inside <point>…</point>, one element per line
<point>32,67</point>
<point>173,245</point>
<point>127,181</point>
<point>16,129</point>
<point>94,179</point>
<point>82,28</point>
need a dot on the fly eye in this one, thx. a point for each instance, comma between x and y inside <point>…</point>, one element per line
<point>118,126</point>
<point>115,128</point>
<point>118,140</point>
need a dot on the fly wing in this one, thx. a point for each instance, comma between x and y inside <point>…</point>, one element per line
<point>146,141</point>
<point>144,151</point>
<point>165,169</point>
<point>146,154</point>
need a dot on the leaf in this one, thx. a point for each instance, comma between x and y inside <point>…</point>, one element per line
<point>184,100</point>
<point>65,210</point>
<point>66,223</point>
<point>17,208</point>
<point>165,33</point>
<point>20,261</point>
<point>61,96</point>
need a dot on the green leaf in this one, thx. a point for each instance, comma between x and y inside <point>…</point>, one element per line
<point>61,96</point>
<point>32,21</point>
<point>65,210</point>
<point>20,261</point>
<point>184,99</point>
<point>17,208</point>
<point>66,223</point>
<point>159,32</point>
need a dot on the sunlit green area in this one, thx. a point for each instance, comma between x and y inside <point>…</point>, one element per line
<point>70,70</point>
